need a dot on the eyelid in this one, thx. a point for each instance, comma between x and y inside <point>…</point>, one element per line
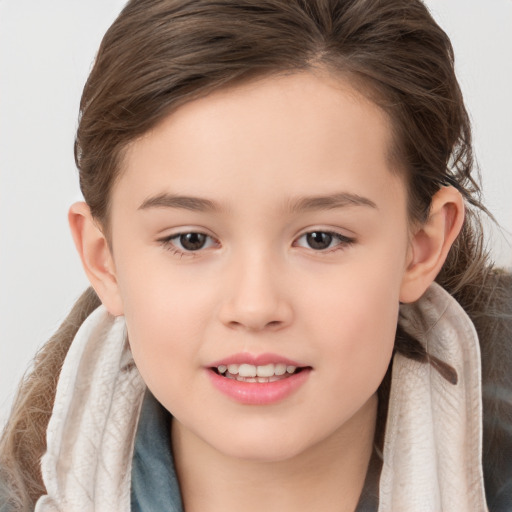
<point>167,242</point>
<point>344,240</point>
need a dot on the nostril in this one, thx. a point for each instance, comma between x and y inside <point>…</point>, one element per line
<point>253,326</point>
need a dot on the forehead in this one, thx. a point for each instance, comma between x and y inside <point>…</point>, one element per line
<point>275,135</point>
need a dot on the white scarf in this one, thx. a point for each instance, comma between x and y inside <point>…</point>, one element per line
<point>90,436</point>
<point>433,443</point>
<point>432,450</point>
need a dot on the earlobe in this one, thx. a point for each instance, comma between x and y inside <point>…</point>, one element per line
<point>94,251</point>
<point>431,242</point>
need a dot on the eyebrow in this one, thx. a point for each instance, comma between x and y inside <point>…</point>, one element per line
<point>304,203</point>
<point>329,202</point>
<point>176,201</point>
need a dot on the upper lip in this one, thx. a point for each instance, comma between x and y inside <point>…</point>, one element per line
<point>256,360</point>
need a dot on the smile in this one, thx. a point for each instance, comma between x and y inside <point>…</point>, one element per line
<point>252,373</point>
<point>261,383</point>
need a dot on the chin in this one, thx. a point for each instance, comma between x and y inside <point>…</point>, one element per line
<point>264,451</point>
<point>264,444</point>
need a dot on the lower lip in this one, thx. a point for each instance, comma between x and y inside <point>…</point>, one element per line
<point>259,393</point>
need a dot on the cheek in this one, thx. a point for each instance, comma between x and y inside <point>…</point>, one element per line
<point>362,353</point>
<point>364,327</point>
<point>357,316</point>
<point>165,315</point>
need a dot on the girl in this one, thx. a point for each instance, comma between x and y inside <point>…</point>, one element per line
<point>289,288</point>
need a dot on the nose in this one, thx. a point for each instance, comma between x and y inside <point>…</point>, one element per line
<point>255,297</point>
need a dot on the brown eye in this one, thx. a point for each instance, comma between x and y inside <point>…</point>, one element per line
<point>319,240</point>
<point>193,241</point>
<point>188,242</point>
<point>323,241</point>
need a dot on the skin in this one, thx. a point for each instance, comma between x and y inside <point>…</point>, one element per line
<point>257,151</point>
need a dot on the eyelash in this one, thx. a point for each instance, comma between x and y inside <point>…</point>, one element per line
<point>169,242</point>
<point>343,241</point>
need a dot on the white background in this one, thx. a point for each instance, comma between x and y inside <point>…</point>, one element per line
<point>46,50</point>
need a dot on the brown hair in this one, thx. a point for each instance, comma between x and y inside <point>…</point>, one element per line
<point>159,54</point>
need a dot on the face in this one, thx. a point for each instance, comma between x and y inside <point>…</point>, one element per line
<point>259,240</point>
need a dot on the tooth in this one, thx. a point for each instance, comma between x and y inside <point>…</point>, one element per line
<point>222,368</point>
<point>291,369</point>
<point>233,368</point>
<point>280,369</point>
<point>265,371</point>
<point>247,370</point>
<point>262,379</point>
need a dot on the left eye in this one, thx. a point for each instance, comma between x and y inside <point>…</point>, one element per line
<point>189,242</point>
<point>322,240</point>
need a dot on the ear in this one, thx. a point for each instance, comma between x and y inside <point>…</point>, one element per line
<point>94,251</point>
<point>431,242</point>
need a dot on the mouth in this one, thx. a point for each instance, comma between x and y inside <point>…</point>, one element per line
<point>261,374</point>
<point>262,379</point>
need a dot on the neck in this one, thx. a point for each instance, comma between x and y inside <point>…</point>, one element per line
<point>328,476</point>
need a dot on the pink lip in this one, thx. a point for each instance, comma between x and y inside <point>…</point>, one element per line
<point>258,393</point>
<point>256,360</point>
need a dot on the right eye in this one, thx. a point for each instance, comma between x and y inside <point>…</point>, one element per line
<point>183,243</point>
